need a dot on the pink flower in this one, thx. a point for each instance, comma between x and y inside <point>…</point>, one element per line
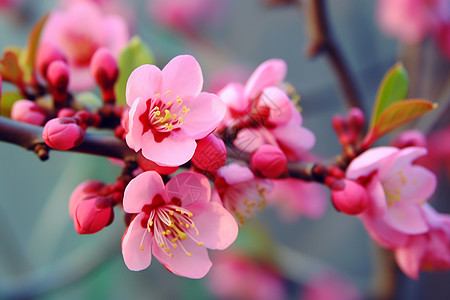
<point>428,251</point>
<point>411,20</point>
<point>78,32</point>
<point>241,192</point>
<point>168,112</point>
<point>282,128</point>
<point>176,223</point>
<point>397,189</point>
<point>236,276</point>
<point>294,198</point>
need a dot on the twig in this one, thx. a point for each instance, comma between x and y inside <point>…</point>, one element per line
<point>322,41</point>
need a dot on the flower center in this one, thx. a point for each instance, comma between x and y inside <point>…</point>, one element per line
<point>171,224</point>
<point>393,187</point>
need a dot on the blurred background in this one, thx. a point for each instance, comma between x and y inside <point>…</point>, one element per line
<point>41,255</point>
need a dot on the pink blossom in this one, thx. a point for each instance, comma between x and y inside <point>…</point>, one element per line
<point>168,112</point>
<point>429,251</point>
<point>411,20</point>
<point>236,276</point>
<point>294,198</point>
<point>176,223</point>
<point>27,111</point>
<point>283,125</point>
<point>78,31</point>
<point>241,192</point>
<point>397,189</point>
<point>329,285</point>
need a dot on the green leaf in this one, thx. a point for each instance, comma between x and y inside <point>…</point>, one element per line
<point>10,69</point>
<point>393,88</point>
<point>6,102</point>
<point>398,114</point>
<point>135,54</point>
<point>28,56</point>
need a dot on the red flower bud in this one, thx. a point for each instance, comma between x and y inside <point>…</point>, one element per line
<point>46,54</point>
<point>58,79</point>
<point>269,160</point>
<point>210,154</point>
<point>27,111</point>
<point>63,133</point>
<point>105,71</point>
<point>66,113</point>
<point>410,138</point>
<point>93,214</point>
<point>84,190</point>
<point>349,197</point>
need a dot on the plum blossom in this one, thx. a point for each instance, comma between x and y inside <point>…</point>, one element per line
<point>168,112</point>
<point>282,127</point>
<point>428,251</point>
<point>176,223</point>
<point>397,189</point>
<point>78,31</point>
<point>241,192</point>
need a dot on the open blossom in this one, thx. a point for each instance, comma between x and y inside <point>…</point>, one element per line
<point>168,112</point>
<point>397,190</point>
<point>428,251</point>
<point>176,223</point>
<point>78,32</point>
<point>282,126</point>
<point>241,192</point>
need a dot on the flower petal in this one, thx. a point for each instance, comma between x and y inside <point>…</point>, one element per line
<point>379,158</point>
<point>137,245</point>
<point>141,190</point>
<point>234,98</point>
<point>182,76</point>
<point>216,226</point>
<point>235,173</point>
<point>135,126</point>
<point>249,140</point>
<point>269,73</point>
<point>191,188</point>
<point>409,258</point>
<point>206,112</point>
<point>144,82</point>
<point>281,108</point>
<point>382,233</point>
<point>195,266</point>
<point>294,139</point>
<point>406,218</point>
<point>170,152</point>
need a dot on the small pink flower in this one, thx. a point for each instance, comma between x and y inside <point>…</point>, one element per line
<point>241,192</point>
<point>27,111</point>
<point>397,189</point>
<point>294,198</point>
<point>428,251</point>
<point>78,32</point>
<point>176,223</point>
<point>168,112</point>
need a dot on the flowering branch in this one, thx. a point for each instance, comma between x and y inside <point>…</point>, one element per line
<point>322,41</point>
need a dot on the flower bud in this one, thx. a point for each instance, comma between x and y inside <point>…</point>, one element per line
<point>355,118</point>
<point>410,138</point>
<point>46,54</point>
<point>148,165</point>
<point>210,153</point>
<point>105,71</point>
<point>63,133</point>
<point>86,189</point>
<point>93,214</point>
<point>66,113</point>
<point>58,79</point>
<point>269,160</point>
<point>27,111</point>
<point>349,197</point>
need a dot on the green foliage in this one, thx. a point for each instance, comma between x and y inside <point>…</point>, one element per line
<point>7,101</point>
<point>135,54</point>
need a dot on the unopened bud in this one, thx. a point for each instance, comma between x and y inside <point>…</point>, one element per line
<point>349,197</point>
<point>269,160</point>
<point>86,189</point>
<point>105,71</point>
<point>356,118</point>
<point>210,154</point>
<point>63,133</point>
<point>93,214</point>
<point>339,123</point>
<point>66,112</point>
<point>46,54</point>
<point>410,138</point>
<point>58,79</point>
<point>26,111</point>
<point>148,165</point>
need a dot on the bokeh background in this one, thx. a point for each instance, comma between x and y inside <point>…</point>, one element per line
<point>41,255</point>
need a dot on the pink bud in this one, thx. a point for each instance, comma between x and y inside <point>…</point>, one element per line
<point>349,197</point>
<point>46,54</point>
<point>269,160</point>
<point>105,71</point>
<point>92,214</point>
<point>148,165</point>
<point>86,189</point>
<point>210,154</point>
<point>410,138</point>
<point>58,79</point>
<point>66,112</point>
<point>27,111</point>
<point>356,118</point>
<point>63,133</point>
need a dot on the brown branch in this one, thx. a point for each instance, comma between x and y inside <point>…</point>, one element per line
<point>322,41</point>
<point>30,138</point>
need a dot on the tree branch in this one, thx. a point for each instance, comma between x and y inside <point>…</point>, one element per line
<point>322,41</point>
